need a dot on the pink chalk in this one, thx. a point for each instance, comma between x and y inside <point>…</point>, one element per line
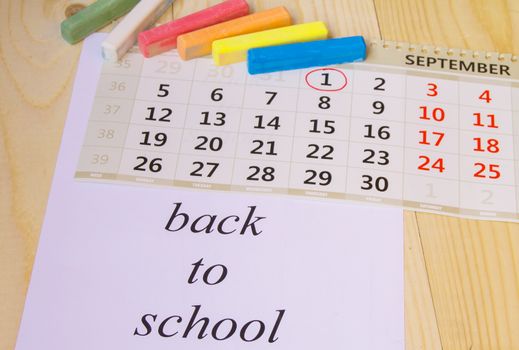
<point>164,37</point>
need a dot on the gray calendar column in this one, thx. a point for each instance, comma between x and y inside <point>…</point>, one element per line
<point>107,128</point>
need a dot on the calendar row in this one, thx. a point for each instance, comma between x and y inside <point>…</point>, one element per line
<point>286,153</point>
<point>290,99</point>
<point>375,185</point>
<point>354,78</point>
<point>282,122</point>
<point>307,130</point>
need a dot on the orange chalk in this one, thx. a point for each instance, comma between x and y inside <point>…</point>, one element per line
<point>199,42</point>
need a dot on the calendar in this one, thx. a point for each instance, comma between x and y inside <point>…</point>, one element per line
<point>425,128</point>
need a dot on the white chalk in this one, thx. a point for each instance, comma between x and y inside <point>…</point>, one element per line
<point>124,35</point>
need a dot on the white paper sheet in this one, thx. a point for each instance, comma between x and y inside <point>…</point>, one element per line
<point>108,273</point>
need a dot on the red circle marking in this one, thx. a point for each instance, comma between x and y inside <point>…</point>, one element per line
<point>325,69</point>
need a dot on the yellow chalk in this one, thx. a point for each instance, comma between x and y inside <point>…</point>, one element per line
<point>234,49</point>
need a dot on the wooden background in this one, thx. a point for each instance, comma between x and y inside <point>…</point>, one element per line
<point>462,276</point>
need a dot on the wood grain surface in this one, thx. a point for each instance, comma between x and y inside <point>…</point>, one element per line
<point>461,276</point>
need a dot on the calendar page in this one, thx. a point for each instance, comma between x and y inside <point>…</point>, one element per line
<point>429,129</point>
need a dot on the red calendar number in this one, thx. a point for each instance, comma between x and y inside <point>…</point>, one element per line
<point>483,171</point>
<point>429,165</point>
<point>437,114</point>
<point>488,121</point>
<point>491,145</point>
<point>432,89</point>
<point>437,137</point>
<point>485,96</point>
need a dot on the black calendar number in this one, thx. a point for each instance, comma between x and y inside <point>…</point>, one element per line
<point>380,83</point>
<point>152,165</point>
<point>326,79</point>
<point>324,102</point>
<point>322,178</point>
<point>163,90</point>
<point>262,124</point>
<point>218,119</point>
<point>165,113</point>
<point>217,94</point>
<point>381,132</point>
<point>158,140</point>
<point>199,166</point>
<point>374,157</point>
<point>264,147</point>
<point>213,144</point>
<point>271,96</point>
<point>378,107</point>
<point>261,174</point>
<point>381,183</point>
<point>324,150</point>
<point>322,126</point>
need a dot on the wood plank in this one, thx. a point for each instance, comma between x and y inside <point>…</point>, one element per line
<point>473,266</point>
<point>474,276</point>
<point>479,25</point>
<point>421,326</point>
<point>343,17</point>
<point>36,74</point>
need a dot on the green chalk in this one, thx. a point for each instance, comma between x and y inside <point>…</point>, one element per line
<point>93,17</point>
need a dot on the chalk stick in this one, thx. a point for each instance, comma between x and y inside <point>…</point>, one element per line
<point>198,43</point>
<point>305,55</point>
<point>164,37</point>
<point>122,37</point>
<point>232,50</point>
<point>93,17</point>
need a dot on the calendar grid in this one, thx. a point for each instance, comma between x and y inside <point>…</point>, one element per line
<point>424,139</point>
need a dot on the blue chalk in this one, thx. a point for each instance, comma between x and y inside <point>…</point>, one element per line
<point>306,54</point>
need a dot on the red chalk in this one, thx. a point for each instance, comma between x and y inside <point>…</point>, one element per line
<point>164,37</point>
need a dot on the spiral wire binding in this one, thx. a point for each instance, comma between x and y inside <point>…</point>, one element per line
<point>441,51</point>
